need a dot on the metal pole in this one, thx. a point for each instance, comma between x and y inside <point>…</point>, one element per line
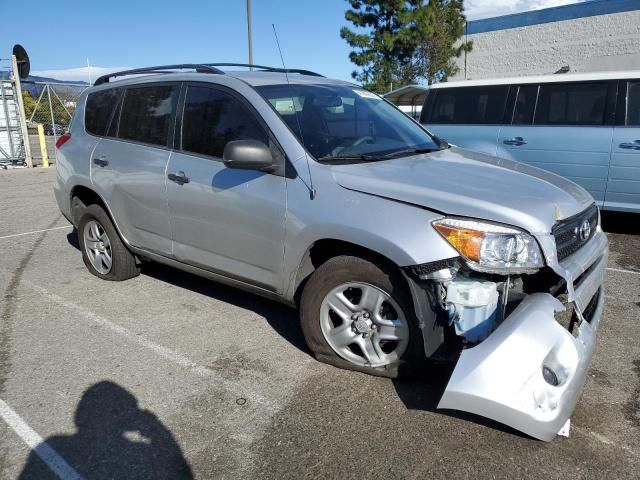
<point>21,113</point>
<point>53,120</point>
<point>249,34</point>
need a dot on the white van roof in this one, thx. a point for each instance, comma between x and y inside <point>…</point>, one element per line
<point>556,78</point>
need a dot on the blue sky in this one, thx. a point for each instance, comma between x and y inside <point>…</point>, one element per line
<point>129,33</point>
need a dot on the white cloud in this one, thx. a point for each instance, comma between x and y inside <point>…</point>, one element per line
<point>82,74</point>
<point>476,9</point>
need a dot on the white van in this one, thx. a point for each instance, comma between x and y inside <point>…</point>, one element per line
<point>585,127</point>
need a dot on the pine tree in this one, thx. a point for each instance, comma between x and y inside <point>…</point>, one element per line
<point>440,24</point>
<point>388,43</point>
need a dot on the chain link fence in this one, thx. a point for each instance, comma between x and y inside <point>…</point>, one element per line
<point>50,105</point>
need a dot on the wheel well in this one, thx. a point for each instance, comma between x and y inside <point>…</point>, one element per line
<point>87,197</point>
<point>326,249</point>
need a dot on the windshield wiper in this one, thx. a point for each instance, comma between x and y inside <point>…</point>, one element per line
<point>347,158</point>
<point>404,153</point>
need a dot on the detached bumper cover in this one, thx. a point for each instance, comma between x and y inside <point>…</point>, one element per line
<point>502,377</point>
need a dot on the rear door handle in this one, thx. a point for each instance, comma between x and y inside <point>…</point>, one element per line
<point>635,145</point>
<point>101,162</point>
<point>180,178</point>
<point>515,141</point>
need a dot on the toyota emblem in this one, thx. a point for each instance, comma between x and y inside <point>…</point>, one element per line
<point>585,231</point>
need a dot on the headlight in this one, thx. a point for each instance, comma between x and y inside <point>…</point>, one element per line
<point>491,248</point>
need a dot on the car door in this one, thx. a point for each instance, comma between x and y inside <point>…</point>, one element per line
<point>565,128</point>
<point>228,221</point>
<point>623,186</point>
<point>469,117</point>
<point>128,165</point>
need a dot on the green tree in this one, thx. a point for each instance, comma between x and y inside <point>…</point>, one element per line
<point>440,25</point>
<point>29,104</point>
<point>385,48</point>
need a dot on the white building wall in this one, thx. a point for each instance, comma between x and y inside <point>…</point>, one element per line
<point>597,43</point>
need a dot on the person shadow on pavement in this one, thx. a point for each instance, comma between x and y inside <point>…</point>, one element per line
<point>115,439</point>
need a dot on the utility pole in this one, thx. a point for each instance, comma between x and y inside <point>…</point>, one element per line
<point>249,33</point>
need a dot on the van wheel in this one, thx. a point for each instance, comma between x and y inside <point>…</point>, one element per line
<point>103,252</point>
<point>357,316</point>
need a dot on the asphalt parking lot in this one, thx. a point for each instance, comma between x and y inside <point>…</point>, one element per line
<point>169,375</point>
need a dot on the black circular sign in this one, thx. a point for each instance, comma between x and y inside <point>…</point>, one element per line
<point>23,61</point>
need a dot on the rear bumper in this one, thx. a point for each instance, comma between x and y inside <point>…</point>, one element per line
<point>502,377</point>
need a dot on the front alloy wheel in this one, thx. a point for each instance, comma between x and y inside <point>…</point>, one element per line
<point>364,325</point>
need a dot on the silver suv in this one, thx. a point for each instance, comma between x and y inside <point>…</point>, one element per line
<point>398,249</point>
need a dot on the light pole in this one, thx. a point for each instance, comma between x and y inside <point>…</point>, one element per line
<point>249,33</point>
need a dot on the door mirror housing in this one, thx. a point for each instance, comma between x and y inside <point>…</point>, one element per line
<point>247,155</point>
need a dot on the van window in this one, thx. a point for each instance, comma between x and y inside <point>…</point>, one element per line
<point>633,104</point>
<point>472,105</point>
<point>525,105</point>
<point>571,104</point>
<point>212,118</point>
<point>98,110</point>
<point>147,112</point>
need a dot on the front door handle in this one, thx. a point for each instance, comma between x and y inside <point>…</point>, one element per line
<point>515,141</point>
<point>180,178</point>
<point>101,162</point>
<point>635,145</point>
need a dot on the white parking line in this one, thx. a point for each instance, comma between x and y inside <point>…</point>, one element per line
<point>35,231</point>
<point>164,352</point>
<point>620,270</point>
<point>35,442</point>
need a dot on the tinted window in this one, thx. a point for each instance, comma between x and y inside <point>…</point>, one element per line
<point>525,105</point>
<point>473,105</point>
<point>212,118</point>
<point>146,113</point>
<point>633,104</point>
<point>571,104</point>
<point>98,110</point>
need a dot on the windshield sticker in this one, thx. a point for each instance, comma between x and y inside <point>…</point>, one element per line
<point>285,106</point>
<point>366,94</point>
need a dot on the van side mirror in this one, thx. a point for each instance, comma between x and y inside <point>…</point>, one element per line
<point>247,155</point>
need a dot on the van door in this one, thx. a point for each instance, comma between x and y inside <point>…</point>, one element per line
<point>623,186</point>
<point>567,131</point>
<point>469,117</point>
<point>128,166</point>
<point>228,221</point>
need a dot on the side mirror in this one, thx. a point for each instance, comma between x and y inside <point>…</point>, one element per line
<point>247,155</point>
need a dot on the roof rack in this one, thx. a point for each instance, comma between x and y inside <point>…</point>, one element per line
<point>198,67</point>
<point>266,69</point>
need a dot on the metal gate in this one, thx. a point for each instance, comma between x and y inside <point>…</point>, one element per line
<point>12,147</point>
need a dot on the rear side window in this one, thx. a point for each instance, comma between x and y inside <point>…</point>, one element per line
<point>212,118</point>
<point>147,112</point>
<point>633,104</point>
<point>98,110</point>
<point>572,104</point>
<point>472,105</point>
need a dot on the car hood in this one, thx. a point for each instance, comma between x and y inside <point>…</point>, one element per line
<point>460,182</point>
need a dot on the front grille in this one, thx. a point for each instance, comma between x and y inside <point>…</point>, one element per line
<point>569,233</point>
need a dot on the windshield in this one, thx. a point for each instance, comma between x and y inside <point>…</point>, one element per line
<point>347,123</point>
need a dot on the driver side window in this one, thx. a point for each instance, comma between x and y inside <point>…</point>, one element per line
<point>212,118</point>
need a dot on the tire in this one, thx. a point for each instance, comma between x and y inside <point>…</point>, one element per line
<point>329,328</point>
<point>95,228</point>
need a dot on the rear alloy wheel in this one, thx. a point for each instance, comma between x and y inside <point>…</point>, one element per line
<point>359,316</point>
<point>103,252</point>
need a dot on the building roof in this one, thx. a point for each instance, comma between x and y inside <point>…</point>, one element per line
<point>588,8</point>
<point>407,96</point>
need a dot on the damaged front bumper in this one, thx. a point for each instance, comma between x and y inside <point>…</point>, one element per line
<point>502,378</point>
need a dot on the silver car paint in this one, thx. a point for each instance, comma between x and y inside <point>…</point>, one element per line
<point>388,208</point>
